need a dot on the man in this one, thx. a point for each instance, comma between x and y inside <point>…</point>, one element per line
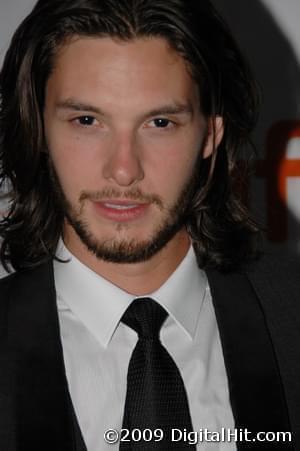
<point>121,126</point>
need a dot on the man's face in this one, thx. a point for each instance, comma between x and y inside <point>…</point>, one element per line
<point>124,132</point>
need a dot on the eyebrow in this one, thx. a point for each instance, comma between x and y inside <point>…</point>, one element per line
<point>74,105</point>
<point>175,108</point>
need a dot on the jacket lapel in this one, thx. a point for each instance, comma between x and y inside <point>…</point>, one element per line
<point>43,415</point>
<point>255,386</point>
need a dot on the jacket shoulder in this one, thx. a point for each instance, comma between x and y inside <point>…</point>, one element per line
<point>6,281</point>
<point>280,272</point>
<point>24,287</point>
<point>20,279</point>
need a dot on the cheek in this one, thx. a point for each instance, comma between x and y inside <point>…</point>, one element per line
<point>172,173</point>
<point>178,159</point>
<point>74,164</point>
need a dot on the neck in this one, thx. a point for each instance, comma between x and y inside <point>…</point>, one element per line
<point>138,279</point>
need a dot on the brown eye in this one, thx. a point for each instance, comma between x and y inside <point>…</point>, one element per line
<point>86,120</point>
<point>161,122</point>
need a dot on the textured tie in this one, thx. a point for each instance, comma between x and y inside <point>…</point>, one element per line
<point>156,398</point>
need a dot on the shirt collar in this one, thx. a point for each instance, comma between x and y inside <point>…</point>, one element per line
<point>182,295</point>
<point>96,302</point>
<point>99,304</point>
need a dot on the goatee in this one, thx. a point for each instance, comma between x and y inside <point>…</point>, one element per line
<point>131,250</point>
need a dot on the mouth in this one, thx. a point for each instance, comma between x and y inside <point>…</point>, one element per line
<point>121,210</point>
<point>121,205</point>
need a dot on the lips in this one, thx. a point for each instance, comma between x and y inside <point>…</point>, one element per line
<point>121,210</point>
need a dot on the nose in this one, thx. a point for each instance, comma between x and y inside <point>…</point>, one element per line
<point>123,165</point>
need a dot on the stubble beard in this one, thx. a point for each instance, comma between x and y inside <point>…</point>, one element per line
<point>132,250</point>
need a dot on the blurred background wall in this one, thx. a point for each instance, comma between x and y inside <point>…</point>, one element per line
<point>268,32</point>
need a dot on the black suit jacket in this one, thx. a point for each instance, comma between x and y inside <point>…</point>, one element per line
<point>258,317</point>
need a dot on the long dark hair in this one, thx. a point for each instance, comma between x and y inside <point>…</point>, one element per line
<point>223,234</point>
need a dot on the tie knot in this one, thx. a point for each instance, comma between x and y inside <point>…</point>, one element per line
<point>145,316</point>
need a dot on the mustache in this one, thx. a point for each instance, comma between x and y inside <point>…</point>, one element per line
<point>113,193</point>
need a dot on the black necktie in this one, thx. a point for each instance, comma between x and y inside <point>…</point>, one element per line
<point>156,398</point>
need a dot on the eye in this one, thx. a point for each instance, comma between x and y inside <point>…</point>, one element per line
<point>86,121</point>
<point>162,122</point>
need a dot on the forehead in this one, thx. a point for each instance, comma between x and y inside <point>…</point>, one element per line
<point>124,69</point>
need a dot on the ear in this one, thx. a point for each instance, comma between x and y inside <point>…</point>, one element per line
<point>215,132</point>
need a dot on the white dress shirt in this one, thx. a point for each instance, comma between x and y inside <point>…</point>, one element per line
<point>97,347</point>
